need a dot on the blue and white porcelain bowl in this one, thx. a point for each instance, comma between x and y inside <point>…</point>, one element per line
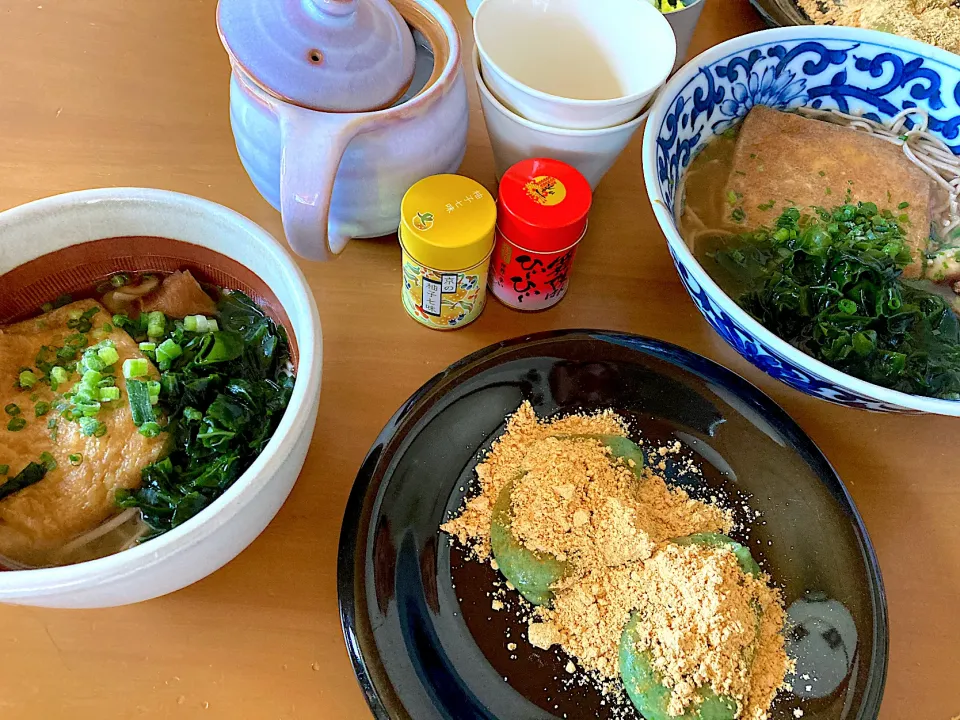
<point>857,71</point>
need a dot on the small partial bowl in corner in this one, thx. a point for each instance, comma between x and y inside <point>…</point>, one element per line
<point>787,68</point>
<point>69,242</point>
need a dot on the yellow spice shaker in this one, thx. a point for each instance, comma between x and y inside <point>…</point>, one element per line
<point>446,234</point>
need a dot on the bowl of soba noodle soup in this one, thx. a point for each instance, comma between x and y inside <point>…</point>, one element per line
<point>160,361</point>
<point>807,182</point>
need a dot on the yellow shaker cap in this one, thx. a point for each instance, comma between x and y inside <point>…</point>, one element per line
<point>447,222</point>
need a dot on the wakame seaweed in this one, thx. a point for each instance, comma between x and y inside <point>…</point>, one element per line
<point>223,398</point>
<point>30,475</point>
<point>829,282</point>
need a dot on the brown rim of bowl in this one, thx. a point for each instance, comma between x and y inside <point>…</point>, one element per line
<point>419,19</point>
<point>77,269</point>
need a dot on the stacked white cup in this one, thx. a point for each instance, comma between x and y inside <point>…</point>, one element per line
<point>568,79</point>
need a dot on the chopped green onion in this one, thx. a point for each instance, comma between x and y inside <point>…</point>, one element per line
<point>28,379</point>
<point>92,361</point>
<point>89,409</point>
<point>135,367</point>
<point>196,323</point>
<point>12,409</point>
<point>41,409</point>
<point>153,387</point>
<point>46,307</point>
<point>75,458</point>
<point>156,324</point>
<point>48,460</point>
<point>109,393</point>
<point>16,424</point>
<point>170,349</point>
<point>4,469</point>
<point>77,340</point>
<point>141,410</point>
<point>58,375</point>
<point>107,328</point>
<point>119,280</point>
<point>90,426</point>
<point>847,307</point>
<point>108,354</point>
<point>150,429</point>
<point>213,325</point>
<point>147,347</point>
<point>192,414</point>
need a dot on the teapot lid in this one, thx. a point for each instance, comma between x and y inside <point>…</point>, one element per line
<point>338,55</point>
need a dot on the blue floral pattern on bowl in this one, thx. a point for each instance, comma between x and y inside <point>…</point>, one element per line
<point>855,71</point>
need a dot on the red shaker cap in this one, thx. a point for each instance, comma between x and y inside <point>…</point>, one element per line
<point>543,205</point>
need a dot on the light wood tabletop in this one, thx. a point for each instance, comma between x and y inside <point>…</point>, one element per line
<point>130,92</point>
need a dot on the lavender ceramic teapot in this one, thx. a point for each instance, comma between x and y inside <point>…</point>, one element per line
<point>339,106</point>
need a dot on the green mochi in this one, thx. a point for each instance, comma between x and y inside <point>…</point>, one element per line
<point>643,685</point>
<point>620,447</point>
<point>535,574</point>
<point>747,563</point>
<point>651,697</point>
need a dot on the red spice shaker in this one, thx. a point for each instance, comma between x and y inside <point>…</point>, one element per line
<point>541,218</point>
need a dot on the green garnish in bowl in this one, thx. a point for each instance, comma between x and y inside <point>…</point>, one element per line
<point>830,283</point>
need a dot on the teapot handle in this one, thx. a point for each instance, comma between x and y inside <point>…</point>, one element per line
<point>312,146</point>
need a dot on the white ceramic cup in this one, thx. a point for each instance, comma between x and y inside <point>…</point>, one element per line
<point>574,64</point>
<point>514,138</point>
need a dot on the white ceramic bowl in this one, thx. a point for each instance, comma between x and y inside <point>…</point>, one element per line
<point>513,138</point>
<point>527,52</point>
<point>220,532</point>
<point>860,71</point>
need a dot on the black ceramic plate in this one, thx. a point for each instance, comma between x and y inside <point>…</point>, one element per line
<point>427,650</point>
<point>781,13</point>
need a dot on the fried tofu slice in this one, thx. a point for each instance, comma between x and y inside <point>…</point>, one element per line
<point>71,499</point>
<point>180,295</point>
<point>783,159</point>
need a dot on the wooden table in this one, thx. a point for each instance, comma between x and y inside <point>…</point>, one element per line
<point>133,92</point>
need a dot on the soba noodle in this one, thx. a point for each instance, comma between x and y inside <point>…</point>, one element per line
<point>137,529</point>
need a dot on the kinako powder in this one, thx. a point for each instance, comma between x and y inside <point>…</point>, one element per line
<point>703,621</point>
<point>936,22</point>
